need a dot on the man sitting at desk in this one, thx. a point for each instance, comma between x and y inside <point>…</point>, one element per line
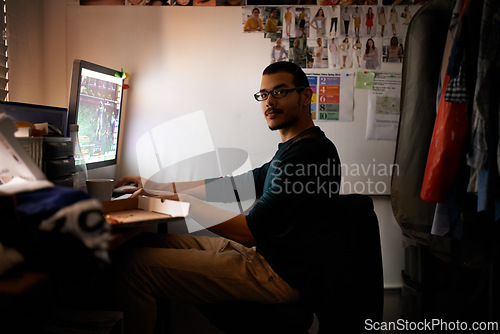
<point>266,256</point>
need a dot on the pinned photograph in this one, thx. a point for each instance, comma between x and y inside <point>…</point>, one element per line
<point>357,51</point>
<point>394,20</point>
<point>298,51</point>
<point>372,54</point>
<point>279,51</point>
<point>251,19</point>
<point>229,2</point>
<point>302,15</point>
<point>345,50</point>
<point>393,50</point>
<point>317,53</point>
<point>332,20</point>
<point>289,22</point>
<point>333,53</point>
<point>318,23</point>
<point>357,16</point>
<point>345,14</point>
<point>382,20</point>
<point>273,23</point>
<point>204,3</point>
<point>280,2</point>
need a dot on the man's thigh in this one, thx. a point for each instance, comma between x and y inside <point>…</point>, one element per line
<point>179,241</point>
<point>205,270</point>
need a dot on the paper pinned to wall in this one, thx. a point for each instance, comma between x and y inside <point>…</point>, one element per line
<point>364,80</point>
<point>332,96</point>
<point>383,107</point>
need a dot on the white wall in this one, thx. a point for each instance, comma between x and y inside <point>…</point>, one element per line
<point>180,60</point>
<point>24,26</point>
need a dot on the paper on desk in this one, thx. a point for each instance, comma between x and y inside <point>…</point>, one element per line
<point>15,161</point>
<point>17,185</point>
<point>172,208</point>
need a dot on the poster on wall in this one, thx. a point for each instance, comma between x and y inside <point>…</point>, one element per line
<point>355,15</point>
<point>161,2</point>
<point>279,2</point>
<point>383,107</point>
<point>332,96</point>
<point>364,34</point>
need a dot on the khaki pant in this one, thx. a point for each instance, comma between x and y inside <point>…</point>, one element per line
<point>192,270</point>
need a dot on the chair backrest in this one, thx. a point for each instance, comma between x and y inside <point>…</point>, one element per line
<point>345,289</point>
<point>351,288</point>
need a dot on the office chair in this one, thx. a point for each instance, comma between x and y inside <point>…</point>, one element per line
<point>349,290</point>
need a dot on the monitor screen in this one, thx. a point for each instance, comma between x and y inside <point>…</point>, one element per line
<point>95,105</point>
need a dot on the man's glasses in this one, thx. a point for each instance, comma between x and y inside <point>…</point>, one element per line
<point>276,93</point>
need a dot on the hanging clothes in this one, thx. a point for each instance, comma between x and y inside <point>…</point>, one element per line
<point>418,109</point>
<point>450,131</point>
<point>461,90</point>
<point>484,155</point>
<point>488,63</point>
<point>446,149</point>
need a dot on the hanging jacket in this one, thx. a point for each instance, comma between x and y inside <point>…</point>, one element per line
<point>420,77</point>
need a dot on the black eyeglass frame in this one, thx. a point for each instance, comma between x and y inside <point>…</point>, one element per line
<point>275,91</point>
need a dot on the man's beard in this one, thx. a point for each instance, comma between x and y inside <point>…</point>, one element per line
<point>287,123</point>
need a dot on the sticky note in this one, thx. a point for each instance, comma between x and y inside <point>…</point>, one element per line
<point>364,80</point>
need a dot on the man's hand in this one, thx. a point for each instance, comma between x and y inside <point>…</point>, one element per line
<point>165,195</point>
<point>172,197</point>
<point>130,180</point>
<point>137,185</point>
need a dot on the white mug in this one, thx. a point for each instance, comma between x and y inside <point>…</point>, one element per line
<point>100,188</point>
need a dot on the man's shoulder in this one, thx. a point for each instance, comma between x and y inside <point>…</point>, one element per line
<point>313,136</point>
<point>312,143</point>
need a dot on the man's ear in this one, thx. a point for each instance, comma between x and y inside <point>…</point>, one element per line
<point>308,93</point>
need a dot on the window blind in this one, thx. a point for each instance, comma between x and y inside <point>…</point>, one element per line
<point>4,78</point>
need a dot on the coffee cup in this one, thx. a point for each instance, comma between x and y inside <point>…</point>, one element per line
<point>100,188</point>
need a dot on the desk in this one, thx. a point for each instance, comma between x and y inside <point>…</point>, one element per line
<point>30,283</point>
<point>25,297</point>
<point>15,291</point>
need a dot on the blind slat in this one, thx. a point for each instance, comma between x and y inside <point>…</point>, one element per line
<point>3,71</point>
<point>3,53</point>
<point>3,94</point>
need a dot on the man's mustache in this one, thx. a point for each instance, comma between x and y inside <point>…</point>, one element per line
<point>274,111</point>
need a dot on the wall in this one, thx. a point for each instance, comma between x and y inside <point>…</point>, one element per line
<point>24,27</point>
<point>180,60</point>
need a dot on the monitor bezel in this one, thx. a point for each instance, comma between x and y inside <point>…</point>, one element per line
<point>74,100</point>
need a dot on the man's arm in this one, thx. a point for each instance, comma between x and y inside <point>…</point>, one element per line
<point>193,188</point>
<point>235,229</point>
<point>225,223</point>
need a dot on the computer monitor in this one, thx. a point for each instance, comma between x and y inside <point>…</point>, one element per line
<point>95,104</point>
<point>34,113</point>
